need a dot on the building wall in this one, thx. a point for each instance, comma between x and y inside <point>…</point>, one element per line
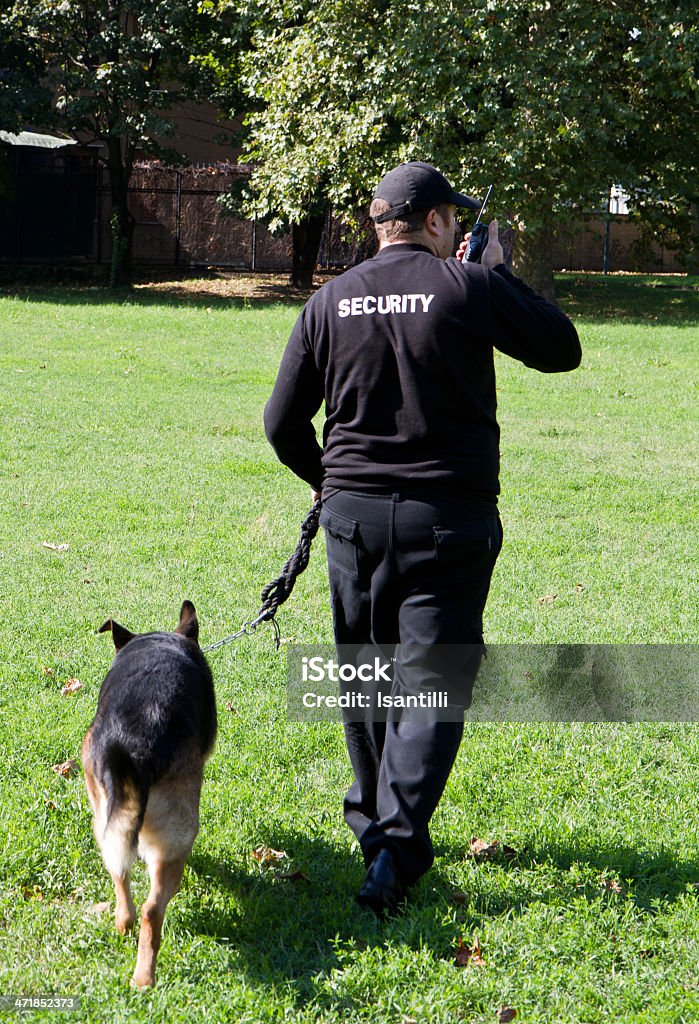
<point>202,135</point>
<point>583,249</point>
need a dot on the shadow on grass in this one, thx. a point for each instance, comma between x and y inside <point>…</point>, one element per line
<point>640,299</point>
<point>212,291</point>
<point>643,299</point>
<point>644,878</point>
<point>298,929</point>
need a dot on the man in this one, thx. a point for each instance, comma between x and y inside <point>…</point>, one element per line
<point>400,348</point>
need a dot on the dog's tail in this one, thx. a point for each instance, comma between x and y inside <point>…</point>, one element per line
<point>126,786</point>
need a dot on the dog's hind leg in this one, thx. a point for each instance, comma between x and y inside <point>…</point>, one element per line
<point>165,881</point>
<point>169,829</point>
<point>125,914</point>
<point>118,852</point>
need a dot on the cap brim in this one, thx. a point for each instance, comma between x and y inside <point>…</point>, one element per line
<point>459,199</point>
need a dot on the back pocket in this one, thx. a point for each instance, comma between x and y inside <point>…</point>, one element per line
<point>470,548</point>
<point>341,537</point>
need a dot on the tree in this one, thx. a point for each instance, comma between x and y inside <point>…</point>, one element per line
<point>663,66</point>
<point>22,95</point>
<point>533,96</point>
<point>248,83</point>
<point>113,68</point>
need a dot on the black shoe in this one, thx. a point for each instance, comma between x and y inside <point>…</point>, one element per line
<point>383,888</point>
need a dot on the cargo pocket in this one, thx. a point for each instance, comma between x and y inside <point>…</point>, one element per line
<point>469,548</point>
<point>341,536</point>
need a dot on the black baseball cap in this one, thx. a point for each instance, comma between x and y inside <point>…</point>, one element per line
<point>417,186</point>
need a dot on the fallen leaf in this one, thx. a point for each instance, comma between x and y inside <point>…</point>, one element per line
<point>46,671</point>
<point>50,804</point>
<point>71,686</point>
<point>66,770</point>
<point>459,897</point>
<point>469,955</point>
<point>266,855</point>
<point>295,876</point>
<point>34,893</point>
<point>579,587</point>
<point>480,849</point>
<point>231,708</point>
<point>612,884</point>
<point>98,908</point>
<point>645,954</point>
<point>55,547</point>
<point>506,1014</point>
<point>548,599</point>
<point>528,675</point>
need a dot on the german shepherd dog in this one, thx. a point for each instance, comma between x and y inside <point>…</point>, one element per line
<point>143,758</point>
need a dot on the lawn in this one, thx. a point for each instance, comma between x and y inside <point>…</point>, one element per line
<point>131,432</point>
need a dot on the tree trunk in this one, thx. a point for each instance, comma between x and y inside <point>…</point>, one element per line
<point>305,239</point>
<point>692,257</point>
<point>533,258</point>
<point>121,222</point>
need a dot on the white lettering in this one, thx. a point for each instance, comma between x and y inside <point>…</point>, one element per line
<point>366,305</point>
<point>316,670</point>
<point>381,671</point>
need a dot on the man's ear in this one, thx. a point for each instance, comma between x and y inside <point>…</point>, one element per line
<point>120,636</point>
<point>431,225</point>
<point>189,624</point>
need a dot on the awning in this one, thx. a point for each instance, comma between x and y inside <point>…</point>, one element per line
<point>35,140</point>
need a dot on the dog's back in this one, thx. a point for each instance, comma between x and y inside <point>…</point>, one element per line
<point>143,758</point>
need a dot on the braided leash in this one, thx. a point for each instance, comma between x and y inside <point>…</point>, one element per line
<point>276,593</point>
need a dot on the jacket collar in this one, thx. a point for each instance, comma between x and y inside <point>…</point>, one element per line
<point>400,248</point>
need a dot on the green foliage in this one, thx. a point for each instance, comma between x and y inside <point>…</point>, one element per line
<point>114,68</point>
<point>22,96</point>
<point>551,102</point>
<point>663,65</point>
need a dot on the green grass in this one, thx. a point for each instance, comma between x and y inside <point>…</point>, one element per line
<point>131,430</point>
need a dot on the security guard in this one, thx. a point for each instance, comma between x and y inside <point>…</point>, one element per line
<point>400,349</point>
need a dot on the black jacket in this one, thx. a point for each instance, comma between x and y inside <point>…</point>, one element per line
<point>400,348</point>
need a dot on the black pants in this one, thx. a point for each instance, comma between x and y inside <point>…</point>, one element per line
<point>406,575</point>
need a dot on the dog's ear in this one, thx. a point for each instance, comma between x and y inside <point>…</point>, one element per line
<point>189,624</point>
<point>120,636</point>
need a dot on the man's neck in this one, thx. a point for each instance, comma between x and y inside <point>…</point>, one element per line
<point>419,238</point>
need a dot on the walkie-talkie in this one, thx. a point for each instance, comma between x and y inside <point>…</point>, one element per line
<point>479,236</point>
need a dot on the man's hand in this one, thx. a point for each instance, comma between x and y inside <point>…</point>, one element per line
<point>315,496</point>
<point>493,255</point>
